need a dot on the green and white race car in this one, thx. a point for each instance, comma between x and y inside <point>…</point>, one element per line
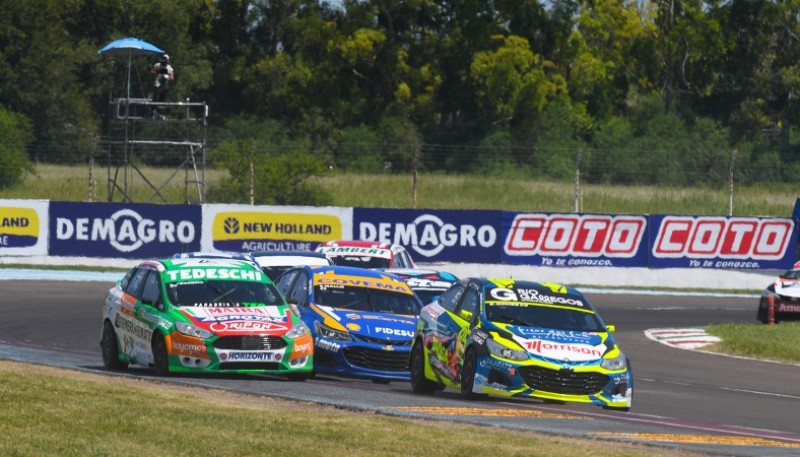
<point>199,315</point>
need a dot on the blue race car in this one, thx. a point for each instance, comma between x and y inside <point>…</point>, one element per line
<point>519,339</point>
<point>362,320</point>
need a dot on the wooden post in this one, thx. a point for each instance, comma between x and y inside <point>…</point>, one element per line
<point>730,183</point>
<point>578,203</point>
<point>252,173</point>
<point>414,176</point>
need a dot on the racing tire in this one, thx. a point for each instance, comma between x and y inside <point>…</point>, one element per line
<point>761,316</point>
<point>299,377</point>
<point>419,383</point>
<point>110,348</point>
<point>624,410</point>
<point>160,356</point>
<point>468,368</point>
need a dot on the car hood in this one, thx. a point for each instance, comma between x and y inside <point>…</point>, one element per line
<point>788,287</point>
<point>257,320</point>
<point>393,327</point>
<point>562,345</point>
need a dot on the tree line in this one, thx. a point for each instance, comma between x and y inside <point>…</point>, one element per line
<point>656,92</point>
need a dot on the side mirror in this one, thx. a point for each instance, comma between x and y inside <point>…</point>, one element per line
<point>466,315</point>
<point>611,328</point>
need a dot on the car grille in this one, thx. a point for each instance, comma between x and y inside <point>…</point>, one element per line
<point>271,366</point>
<point>250,343</point>
<point>383,341</point>
<point>377,359</point>
<point>563,381</point>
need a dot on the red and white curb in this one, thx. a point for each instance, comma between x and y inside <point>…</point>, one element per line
<point>683,338</point>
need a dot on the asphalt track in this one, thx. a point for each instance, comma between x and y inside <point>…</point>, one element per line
<point>686,399</point>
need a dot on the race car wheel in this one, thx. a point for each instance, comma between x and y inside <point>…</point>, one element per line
<point>762,313</point>
<point>419,383</point>
<point>624,409</point>
<point>160,356</point>
<point>468,375</point>
<point>110,349</point>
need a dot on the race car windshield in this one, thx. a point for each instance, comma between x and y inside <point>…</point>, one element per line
<point>792,274</point>
<point>223,293</point>
<point>544,316</point>
<point>428,296</point>
<point>363,299</point>
<point>360,261</point>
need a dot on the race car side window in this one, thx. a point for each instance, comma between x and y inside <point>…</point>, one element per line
<point>404,260</point>
<point>284,281</point>
<point>470,301</point>
<point>450,298</point>
<point>135,284</point>
<point>151,291</point>
<point>123,284</point>
<point>469,305</point>
<point>299,293</point>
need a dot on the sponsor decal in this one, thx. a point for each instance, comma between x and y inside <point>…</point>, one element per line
<point>131,328</point>
<point>239,356</point>
<point>788,308</point>
<point>256,225</point>
<point>249,246</point>
<point>153,319</point>
<point>259,314</point>
<point>19,227</point>
<point>379,317</point>
<point>724,238</point>
<point>421,283</point>
<point>327,345</point>
<point>195,274</point>
<point>571,352</point>
<point>186,345</point>
<point>575,235</point>
<point>532,296</point>
<point>353,281</point>
<point>111,229</point>
<point>428,235</point>
<point>394,331</point>
<point>304,348</point>
<point>499,365</point>
<point>353,326</point>
<point>479,336</point>
<point>247,326</point>
<point>355,250</point>
<point>561,336</point>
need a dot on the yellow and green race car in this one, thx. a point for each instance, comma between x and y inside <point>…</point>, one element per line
<point>519,338</point>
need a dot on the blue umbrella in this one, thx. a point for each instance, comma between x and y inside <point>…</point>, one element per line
<point>130,47</point>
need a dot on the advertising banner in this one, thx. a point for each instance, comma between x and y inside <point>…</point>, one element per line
<point>23,227</point>
<point>740,243</point>
<point>574,240</point>
<point>245,228</point>
<point>124,230</point>
<point>434,235</point>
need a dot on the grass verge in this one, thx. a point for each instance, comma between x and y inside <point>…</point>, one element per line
<point>779,342</point>
<point>54,412</point>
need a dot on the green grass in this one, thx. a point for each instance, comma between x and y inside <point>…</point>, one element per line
<point>779,342</point>
<point>54,412</point>
<point>437,191</point>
